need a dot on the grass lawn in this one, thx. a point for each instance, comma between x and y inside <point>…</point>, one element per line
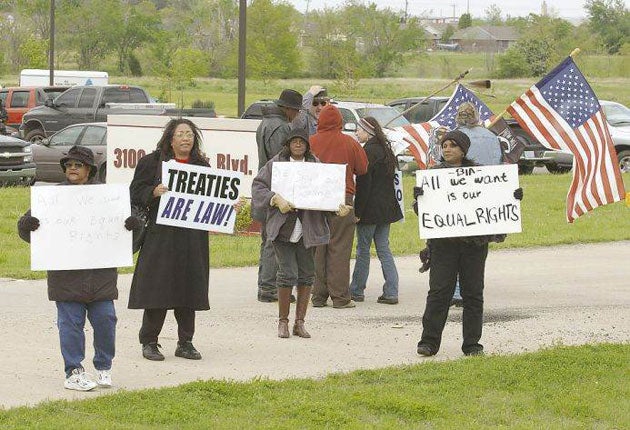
<point>543,211</point>
<point>558,388</point>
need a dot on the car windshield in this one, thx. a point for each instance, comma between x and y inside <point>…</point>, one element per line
<point>383,115</point>
<point>617,114</point>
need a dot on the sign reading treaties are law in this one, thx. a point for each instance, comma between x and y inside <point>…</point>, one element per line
<point>199,197</point>
<point>468,201</point>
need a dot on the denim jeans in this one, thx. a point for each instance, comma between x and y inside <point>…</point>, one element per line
<point>71,321</point>
<point>380,234</point>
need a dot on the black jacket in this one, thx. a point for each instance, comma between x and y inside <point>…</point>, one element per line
<point>84,285</point>
<point>375,201</point>
<point>173,263</point>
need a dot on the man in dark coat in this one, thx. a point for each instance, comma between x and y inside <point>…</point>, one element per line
<point>78,293</point>
<point>271,135</point>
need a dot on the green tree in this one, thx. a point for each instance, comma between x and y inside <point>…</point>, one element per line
<point>449,31</point>
<point>493,15</point>
<point>33,53</point>
<point>610,19</point>
<point>465,21</point>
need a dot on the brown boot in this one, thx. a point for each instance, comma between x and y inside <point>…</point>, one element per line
<point>303,297</point>
<point>284,305</point>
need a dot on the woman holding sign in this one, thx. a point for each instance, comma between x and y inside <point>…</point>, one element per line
<point>294,234</point>
<point>375,208</point>
<point>449,257</point>
<point>173,263</point>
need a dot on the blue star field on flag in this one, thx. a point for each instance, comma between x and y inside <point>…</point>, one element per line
<point>446,117</point>
<point>567,91</point>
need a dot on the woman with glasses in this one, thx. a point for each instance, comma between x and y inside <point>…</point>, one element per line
<point>173,263</point>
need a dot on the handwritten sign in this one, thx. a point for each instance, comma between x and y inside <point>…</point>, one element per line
<point>314,186</point>
<point>199,197</point>
<point>398,190</point>
<point>468,201</point>
<point>81,227</point>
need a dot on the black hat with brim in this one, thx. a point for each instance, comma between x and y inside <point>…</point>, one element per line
<point>82,154</point>
<point>290,99</point>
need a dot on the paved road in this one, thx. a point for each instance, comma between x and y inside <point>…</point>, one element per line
<point>534,298</point>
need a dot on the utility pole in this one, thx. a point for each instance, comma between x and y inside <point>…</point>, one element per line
<point>51,44</point>
<point>242,42</point>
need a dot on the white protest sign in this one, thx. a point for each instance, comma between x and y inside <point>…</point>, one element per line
<point>314,186</point>
<point>468,201</point>
<point>81,227</point>
<point>398,190</point>
<point>199,197</point>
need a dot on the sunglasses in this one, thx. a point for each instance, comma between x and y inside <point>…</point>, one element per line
<point>73,165</point>
<point>320,102</point>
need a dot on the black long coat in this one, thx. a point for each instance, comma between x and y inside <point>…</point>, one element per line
<point>173,264</point>
<point>375,201</point>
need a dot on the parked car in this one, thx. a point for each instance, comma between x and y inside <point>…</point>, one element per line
<point>48,152</point>
<point>533,155</point>
<point>16,161</point>
<point>618,118</point>
<point>350,111</point>
<point>18,100</point>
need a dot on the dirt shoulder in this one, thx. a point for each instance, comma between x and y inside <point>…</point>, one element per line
<point>534,298</point>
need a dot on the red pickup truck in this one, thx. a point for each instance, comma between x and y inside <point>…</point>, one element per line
<point>18,100</point>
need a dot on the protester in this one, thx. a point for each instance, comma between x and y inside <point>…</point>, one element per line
<point>315,99</point>
<point>332,261</point>
<point>173,263</point>
<point>485,149</point>
<point>293,234</point>
<point>81,293</point>
<point>270,137</point>
<point>452,257</point>
<point>376,208</point>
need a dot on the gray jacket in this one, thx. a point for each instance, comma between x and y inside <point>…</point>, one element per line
<point>315,229</point>
<point>305,119</point>
<point>271,133</point>
<point>485,148</point>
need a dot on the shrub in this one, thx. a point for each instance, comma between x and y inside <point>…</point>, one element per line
<point>244,217</point>
<point>203,104</point>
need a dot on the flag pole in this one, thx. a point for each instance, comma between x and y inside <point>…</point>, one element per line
<point>409,109</point>
<point>573,53</point>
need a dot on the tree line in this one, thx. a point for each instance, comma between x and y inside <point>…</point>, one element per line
<point>182,39</point>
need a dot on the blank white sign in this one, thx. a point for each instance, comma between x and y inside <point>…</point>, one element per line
<point>81,227</point>
<point>314,186</point>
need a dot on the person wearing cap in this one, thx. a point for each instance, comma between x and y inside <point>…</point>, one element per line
<point>271,135</point>
<point>314,100</point>
<point>81,293</point>
<point>332,261</point>
<point>172,271</point>
<point>293,234</point>
<point>452,257</point>
<point>375,208</point>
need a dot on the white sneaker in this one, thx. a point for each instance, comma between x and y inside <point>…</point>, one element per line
<point>79,380</point>
<point>104,378</point>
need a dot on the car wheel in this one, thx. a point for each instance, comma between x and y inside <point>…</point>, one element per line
<point>557,170</point>
<point>525,169</point>
<point>35,136</point>
<point>624,160</point>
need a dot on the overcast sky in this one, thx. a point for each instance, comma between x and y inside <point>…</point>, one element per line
<point>561,8</point>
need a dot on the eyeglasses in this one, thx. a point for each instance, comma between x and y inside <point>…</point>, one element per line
<point>320,102</point>
<point>73,165</point>
<point>184,134</point>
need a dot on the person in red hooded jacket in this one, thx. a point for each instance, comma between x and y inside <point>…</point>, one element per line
<point>332,261</point>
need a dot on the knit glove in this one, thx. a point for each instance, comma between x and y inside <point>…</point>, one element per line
<point>425,257</point>
<point>518,194</point>
<point>417,192</point>
<point>344,210</point>
<point>283,205</point>
<point>133,223</point>
<point>28,223</point>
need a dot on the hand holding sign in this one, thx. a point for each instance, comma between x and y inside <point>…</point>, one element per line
<point>281,203</point>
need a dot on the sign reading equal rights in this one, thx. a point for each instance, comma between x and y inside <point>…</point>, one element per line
<point>468,201</point>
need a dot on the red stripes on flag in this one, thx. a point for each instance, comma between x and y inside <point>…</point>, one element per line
<point>596,175</point>
<point>417,135</point>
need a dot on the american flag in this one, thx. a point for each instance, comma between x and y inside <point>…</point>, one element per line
<point>421,137</point>
<point>563,113</point>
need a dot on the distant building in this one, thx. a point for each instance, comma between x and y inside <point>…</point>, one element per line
<point>485,38</point>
